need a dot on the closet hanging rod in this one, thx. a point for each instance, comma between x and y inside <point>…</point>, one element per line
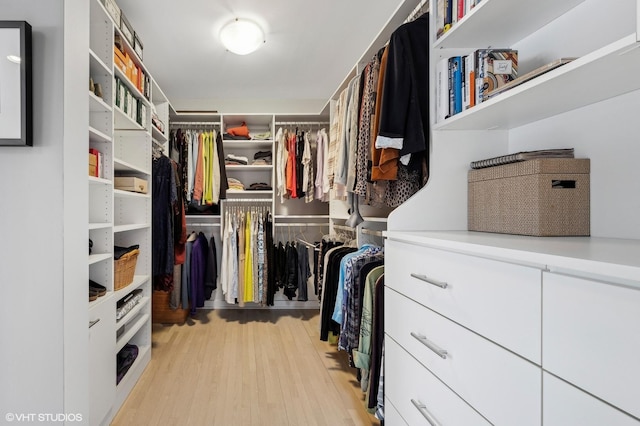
<point>314,224</point>
<point>372,232</point>
<point>420,9</point>
<point>301,123</point>
<point>193,123</point>
<point>203,224</point>
<point>344,228</point>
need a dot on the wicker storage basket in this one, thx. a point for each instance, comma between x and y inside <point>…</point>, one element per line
<point>546,197</point>
<point>124,269</point>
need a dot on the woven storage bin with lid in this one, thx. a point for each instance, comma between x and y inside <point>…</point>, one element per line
<point>545,197</point>
<point>124,269</point>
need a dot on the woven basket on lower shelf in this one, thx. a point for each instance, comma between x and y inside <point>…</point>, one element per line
<point>124,269</point>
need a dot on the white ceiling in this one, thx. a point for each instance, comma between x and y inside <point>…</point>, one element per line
<point>311,47</point>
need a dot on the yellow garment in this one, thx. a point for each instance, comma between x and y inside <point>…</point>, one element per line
<point>248,261</point>
<point>241,260</point>
<point>208,170</point>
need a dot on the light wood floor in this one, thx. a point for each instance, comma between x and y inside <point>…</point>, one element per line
<point>245,367</point>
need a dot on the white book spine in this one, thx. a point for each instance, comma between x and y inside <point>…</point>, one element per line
<point>442,90</point>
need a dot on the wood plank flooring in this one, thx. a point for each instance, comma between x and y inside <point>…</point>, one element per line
<point>245,367</point>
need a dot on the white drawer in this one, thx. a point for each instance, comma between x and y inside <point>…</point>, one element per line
<point>102,359</point>
<point>417,394</point>
<point>498,300</point>
<point>481,372</point>
<point>591,338</point>
<point>391,415</point>
<point>565,405</point>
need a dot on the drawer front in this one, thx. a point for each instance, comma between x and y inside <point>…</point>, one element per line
<point>498,300</point>
<point>565,405</point>
<point>591,338</point>
<point>481,372</point>
<point>391,415</point>
<point>418,395</point>
<point>102,360</point>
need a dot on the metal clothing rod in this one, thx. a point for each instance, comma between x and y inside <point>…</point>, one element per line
<point>301,123</point>
<point>372,232</point>
<point>302,224</point>
<point>421,8</point>
<point>193,123</point>
<point>344,228</point>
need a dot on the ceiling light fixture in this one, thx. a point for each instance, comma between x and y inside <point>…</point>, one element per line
<point>242,36</point>
<point>15,59</point>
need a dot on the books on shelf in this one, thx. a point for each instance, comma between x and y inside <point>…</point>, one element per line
<point>528,76</point>
<point>522,156</point>
<point>449,12</point>
<point>464,81</point>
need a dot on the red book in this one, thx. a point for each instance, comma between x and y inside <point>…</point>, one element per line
<point>460,9</point>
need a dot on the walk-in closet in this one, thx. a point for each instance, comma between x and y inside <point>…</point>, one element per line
<point>413,212</point>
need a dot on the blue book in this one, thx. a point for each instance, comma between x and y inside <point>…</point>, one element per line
<point>456,83</point>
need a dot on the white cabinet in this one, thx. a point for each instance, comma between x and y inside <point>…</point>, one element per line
<point>588,307</point>
<point>566,405</point>
<point>591,337</point>
<point>102,369</point>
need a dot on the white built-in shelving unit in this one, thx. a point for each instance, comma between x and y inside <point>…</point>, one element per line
<point>118,217</point>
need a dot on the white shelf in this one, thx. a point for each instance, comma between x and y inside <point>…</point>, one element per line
<point>248,167</point>
<point>554,93</point>
<point>234,192</point>
<point>99,181</point>
<point>96,135</point>
<point>122,166</point>
<point>302,216</point>
<point>138,280</point>
<point>131,329</point>
<point>128,194</point>
<point>100,300</point>
<point>247,143</point>
<point>124,122</point>
<point>97,104</point>
<point>158,135</point>
<point>97,64</point>
<point>94,226</point>
<point>95,258</point>
<point>132,227</point>
<point>144,301</point>
<point>501,23</point>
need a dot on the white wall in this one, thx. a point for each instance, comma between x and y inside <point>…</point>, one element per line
<point>34,241</point>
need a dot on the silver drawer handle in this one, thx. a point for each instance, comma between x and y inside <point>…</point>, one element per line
<point>431,281</point>
<point>92,323</point>
<point>435,348</point>
<point>425,413</point>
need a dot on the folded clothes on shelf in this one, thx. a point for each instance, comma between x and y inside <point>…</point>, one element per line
<point>261,136</point>
<point>228,136</point>
<point>231,159</point>
<point>259,186</point>
<point>118,251</point>
<point>235,184</point>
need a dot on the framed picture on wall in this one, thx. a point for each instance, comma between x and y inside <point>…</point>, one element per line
<point>16,108</point>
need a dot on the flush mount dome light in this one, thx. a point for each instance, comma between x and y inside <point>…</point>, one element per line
<point>242,36</point>
<point>15,59</point>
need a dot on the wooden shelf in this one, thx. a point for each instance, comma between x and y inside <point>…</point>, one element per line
<point>97,104</point>
<point>96,135</point>
<point>158,135</point>
<point>95,258</point>
<point>123,122</point>
<point>138,280</point>
<point>248,143</point>
<point>131,227</point>
<point>99,181</point>
<point>247,167</point>
<point>94,226</point>
<point>123,166</point>
<point>133,312</point>
<point>130,331</point>
<point>128,194</point>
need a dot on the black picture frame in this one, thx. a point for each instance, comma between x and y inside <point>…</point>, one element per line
<point>16,95</point>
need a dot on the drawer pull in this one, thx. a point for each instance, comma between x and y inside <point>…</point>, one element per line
<point>422,339</point>
<point>431,281</point>
<point>92,323</point>
<point>425,413</point>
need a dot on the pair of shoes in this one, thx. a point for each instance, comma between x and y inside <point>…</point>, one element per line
<point>96,290</point>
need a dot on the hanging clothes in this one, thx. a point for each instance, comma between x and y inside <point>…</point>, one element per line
<point>164,198</point>
<point>322,160</point>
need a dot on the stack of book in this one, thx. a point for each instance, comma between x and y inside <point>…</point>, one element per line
<point>449,12</point>
<point>465,81</point>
